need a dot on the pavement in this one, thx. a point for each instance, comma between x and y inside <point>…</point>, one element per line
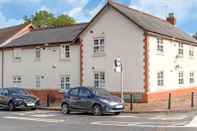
<point>43,120</point>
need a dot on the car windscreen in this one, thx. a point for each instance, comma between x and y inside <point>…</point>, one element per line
<point>101,92</point>
<point>18,92</point>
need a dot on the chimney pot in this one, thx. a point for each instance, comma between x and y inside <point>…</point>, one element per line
<point>171,19</point>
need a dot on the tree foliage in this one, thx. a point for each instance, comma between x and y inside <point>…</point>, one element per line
<point>43,19</point>
<point>195,36</point>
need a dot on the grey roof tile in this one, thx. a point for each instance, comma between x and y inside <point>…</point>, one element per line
<point>152,24</point>
<point>49,36</point>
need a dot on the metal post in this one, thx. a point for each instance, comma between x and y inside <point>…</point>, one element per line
<point>131,102</point>
<point>192,100</point>
<point>169,101</point>
<point>48,100</point>
<point>122,86</point>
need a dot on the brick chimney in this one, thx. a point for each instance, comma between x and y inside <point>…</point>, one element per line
<point>171,19</point>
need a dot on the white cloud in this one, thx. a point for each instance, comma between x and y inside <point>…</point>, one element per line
<point>5,22</point>
<point>161,8</point>
<point>98,8</point>
<point>78,7</point>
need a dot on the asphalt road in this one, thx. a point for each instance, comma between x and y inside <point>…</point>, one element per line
<point>55,121</point>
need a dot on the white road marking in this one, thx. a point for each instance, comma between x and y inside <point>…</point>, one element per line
<point>123,116</point>
<point>168,117</point>
<point>193,123</point>
<point>35,119</point>
<point>128,124</point>
<point>43,115</point>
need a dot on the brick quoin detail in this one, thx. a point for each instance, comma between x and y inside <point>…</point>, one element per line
<point>146,67</point>
<point>81,62</point>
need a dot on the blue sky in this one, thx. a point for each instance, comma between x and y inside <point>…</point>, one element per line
<point>12,11</point>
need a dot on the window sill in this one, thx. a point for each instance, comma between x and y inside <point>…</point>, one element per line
<point>16,61</point>
<point>160,54</point>
<point>191,57</point>
<point>65,60</point>
<point>99,55</point>
<point>37,60</point>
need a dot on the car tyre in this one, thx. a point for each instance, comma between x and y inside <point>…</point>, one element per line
<point>65,109</point>
<point>11,106</point>
<point>97,111</point>
<point>117,113</point>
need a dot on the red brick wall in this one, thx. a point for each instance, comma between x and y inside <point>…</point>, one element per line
<point>56,95</point>
<point>160,96</point>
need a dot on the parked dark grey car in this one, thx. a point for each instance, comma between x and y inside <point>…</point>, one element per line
<point>14,98</point>
<point>95,100</point>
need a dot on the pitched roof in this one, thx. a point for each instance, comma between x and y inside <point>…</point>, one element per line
<point>151,23</point>
<point>63,34</point>
<point>6,33</point>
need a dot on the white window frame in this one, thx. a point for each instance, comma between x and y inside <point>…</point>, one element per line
<point>38,81</point>
<point>180,77</point>
<point>65,52</point>
<point>99,79</point>
<point>99,46</point>
<point>37,53</point>
<point>17,80</point>
<point>160,45</point>
<point>191,77</point>
<point>160,78</point>
<point>181,49</point>
<point>17,54</point>
<point>65,82</point>
<point>191,51</point>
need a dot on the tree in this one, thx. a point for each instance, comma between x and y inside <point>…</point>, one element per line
<point>195,36</point>
<point>43,19</point>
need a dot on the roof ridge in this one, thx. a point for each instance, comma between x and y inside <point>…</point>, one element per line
<point>125,6</point>
<point>3,28</point>
<point>56,27</point>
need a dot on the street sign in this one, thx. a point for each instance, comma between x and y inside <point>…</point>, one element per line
<point>117,65</point>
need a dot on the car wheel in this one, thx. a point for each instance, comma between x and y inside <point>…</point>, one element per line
<point>97,111</point>
<point>11,106</point>
<point>65,109</point>
<point>117,113</point>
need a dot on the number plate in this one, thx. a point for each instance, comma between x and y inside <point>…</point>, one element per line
<point>30,104</point>
<point>119,106</point>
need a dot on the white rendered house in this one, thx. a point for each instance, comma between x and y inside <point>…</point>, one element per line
<point>157,57</point>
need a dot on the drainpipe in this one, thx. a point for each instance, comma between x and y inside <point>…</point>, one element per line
<point>2,68</point>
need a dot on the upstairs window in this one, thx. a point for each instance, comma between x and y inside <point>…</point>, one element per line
<point>64,52</point>
<point>99,45</point>
<point>17,54</point>
<point>181,78</point>
<point>37,53</point>
<point>99,79</point>
<point>160,46</point>
<point>180,49</point>
<point>160,78</point>
<point>191,77</point>
<point>191,52</point>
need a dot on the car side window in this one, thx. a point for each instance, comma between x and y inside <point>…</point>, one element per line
<point>74,92</point>
<point>84,93</point>
<point>1,92</point>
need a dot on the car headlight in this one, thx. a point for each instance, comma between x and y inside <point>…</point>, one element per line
<point>104,101</point>
<point>111,103</point>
